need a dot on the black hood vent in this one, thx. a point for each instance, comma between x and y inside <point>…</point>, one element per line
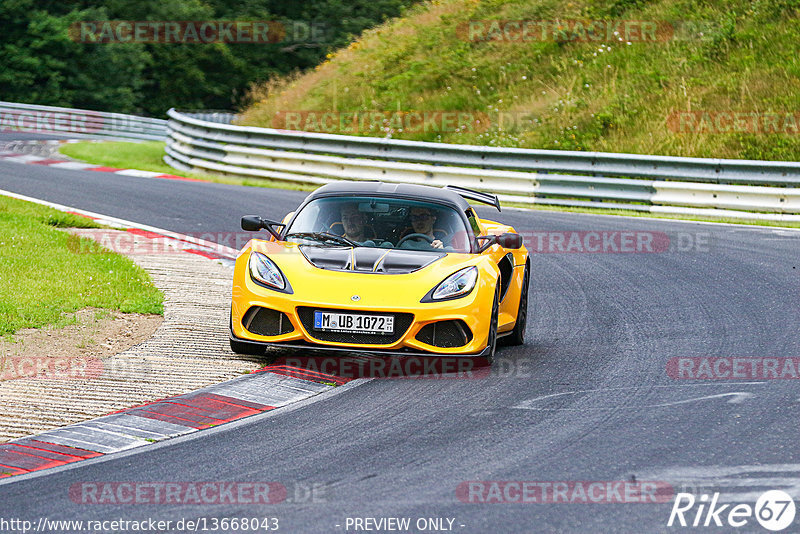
<point>368,259</point>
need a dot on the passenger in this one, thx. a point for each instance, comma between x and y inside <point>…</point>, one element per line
<point>422,220</point>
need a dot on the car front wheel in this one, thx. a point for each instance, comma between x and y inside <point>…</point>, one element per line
<point>492,342</point>
<point>517,336</point>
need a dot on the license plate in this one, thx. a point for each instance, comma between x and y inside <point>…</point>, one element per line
<point>353,322</point>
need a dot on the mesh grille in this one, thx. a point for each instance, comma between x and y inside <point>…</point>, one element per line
<point>402,321</point>
<point>446,334</point>
<point>266,322</point>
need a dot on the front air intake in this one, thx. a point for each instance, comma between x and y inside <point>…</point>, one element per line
<point>266,322</point>
<point>445,334</point>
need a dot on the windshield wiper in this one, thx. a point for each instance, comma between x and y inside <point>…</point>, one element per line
<point>324,237</point>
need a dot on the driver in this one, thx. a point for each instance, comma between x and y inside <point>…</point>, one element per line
<point>353,223</point>
<point>422,220</point>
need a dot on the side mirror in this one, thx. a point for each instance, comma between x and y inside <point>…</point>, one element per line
<point>254,223</point>
<point>509,240</point>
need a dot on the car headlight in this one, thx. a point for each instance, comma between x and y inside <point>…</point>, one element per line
<point>264,271</point>
<point>456,285</point>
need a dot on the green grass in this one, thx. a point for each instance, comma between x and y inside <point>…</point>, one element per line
<point>43,278</point>
<point>148,157</point>
<point>143,156</point>
<point>566,95</point>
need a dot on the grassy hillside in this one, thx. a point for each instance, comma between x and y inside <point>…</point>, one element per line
<point>562,92</point>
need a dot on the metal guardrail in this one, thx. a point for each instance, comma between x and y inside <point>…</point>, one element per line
<point>79,123</point>
<point>223,117</point>
<point>659,184</point>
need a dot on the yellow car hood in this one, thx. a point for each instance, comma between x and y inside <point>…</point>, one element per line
<point>369,259</point>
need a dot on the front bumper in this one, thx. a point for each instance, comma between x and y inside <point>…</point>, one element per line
<point>347,350</point>
<point>381,294</point>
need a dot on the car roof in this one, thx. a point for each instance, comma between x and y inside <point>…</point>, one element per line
<point>411,191</point>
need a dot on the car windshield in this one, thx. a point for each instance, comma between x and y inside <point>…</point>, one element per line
<point>380,222</point>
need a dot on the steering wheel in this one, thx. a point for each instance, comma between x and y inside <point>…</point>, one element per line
<point>427,238</point>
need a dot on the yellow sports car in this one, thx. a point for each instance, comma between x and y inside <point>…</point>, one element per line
<point>386,269</point>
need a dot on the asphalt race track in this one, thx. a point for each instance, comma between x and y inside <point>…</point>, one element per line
<point>602,329</point>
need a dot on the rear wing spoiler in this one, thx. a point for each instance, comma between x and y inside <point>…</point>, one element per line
<point>477,196</point>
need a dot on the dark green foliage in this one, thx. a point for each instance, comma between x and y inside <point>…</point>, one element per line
<point>40,63</point>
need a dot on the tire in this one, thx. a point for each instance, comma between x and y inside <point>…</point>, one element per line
<point>492,342</point>
<point>517,336</point>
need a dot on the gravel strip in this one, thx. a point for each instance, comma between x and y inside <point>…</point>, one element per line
<point>188,351</point>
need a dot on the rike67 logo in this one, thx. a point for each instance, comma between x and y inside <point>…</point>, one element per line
<point>774,510</point>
